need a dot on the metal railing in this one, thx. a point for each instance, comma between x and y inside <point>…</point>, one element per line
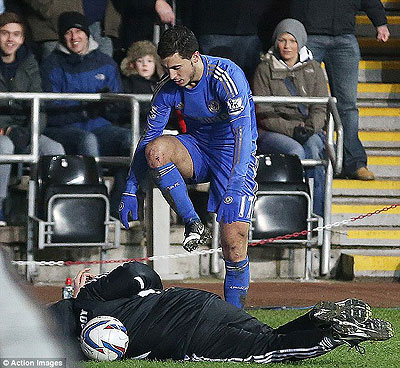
<point>36,98</point>
<point>33,156</point>
<point>334,149</point>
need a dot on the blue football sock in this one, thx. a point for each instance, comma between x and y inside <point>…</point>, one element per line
<point>237,279</point>
<point>170,181</point>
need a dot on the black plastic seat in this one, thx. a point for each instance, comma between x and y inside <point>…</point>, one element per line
<point>283,204</point>
<point>78,212</point>
<point>67,169</point>
<point>64,170</point>
<point>279,168</point>
<point>72,205</point>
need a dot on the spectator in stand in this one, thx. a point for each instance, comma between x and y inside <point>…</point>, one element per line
<point>141,69</point>
<point>19,72</point>
<point>288,69</point>
<point>78,66</point>
<point>232,29</point>
<point>139,17</point>
<point>102,15</point>
<point>6,148</point>
<point>330,26</point>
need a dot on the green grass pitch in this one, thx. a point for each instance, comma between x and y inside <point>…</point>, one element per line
<point>378,355</point>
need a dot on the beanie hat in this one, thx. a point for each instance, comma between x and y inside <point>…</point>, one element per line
<point>292,26</point>
<point>69,20</point>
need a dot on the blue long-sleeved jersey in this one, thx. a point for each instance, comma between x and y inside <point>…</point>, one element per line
<point>218,112</point>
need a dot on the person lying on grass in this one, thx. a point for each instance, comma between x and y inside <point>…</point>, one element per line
<point>196,325</point>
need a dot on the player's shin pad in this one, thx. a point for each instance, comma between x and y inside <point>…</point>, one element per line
<point>171,183</point>
<point>237,281</point>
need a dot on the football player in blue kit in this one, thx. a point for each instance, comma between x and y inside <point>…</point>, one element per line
<point>219,147</point>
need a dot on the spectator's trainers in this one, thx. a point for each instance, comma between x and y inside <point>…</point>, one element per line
<point>353,332</point>
<point>325,313</point>
<point>196,234</point>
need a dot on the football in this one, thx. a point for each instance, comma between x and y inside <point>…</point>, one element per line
<point>104,338</point>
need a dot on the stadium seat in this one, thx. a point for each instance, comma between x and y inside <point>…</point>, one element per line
<point>72,206</point>
<point>284,202</point>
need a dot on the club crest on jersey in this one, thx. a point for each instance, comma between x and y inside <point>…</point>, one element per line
<point>100,76</point>
<point>180,106</point>
<point>228,200</point>
<point>153,112</point>
<point>235,106</point>
<point>214,106</point>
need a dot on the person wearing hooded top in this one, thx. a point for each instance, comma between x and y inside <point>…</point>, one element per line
<point>141,69</point>
<point>19,72</point>
<point>288,69</point>
<point>84,128</point>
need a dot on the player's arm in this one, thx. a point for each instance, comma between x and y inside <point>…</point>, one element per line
<point>123,282</point>
<point>156,122</point>
<point>234,91</point>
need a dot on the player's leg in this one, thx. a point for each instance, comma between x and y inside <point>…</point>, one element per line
<point>234,236</point>
<point>233,343</point>
<point>234,239</point>
<point>170,164</point>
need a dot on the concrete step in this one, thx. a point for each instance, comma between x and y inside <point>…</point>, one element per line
<point>386,71</point>
<point>366,236</point>
<point>376,188</point>
<point>364,27</point>
<point>378,90</point>
<point>370,263</point>
<point>385,118</point>
<point>350,210</point>
<point>380,139</point>
<point>378,103</point>
<point>385,166</point>
<point>391,4</point>
<point>382,152</point>
<point>370,47</point>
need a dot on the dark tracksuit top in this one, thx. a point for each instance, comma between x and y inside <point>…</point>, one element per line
<point>185,324</point>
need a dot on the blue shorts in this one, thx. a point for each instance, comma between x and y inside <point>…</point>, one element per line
<point>215,166</point>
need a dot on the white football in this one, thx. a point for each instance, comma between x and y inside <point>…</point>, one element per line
<point>104,338</point>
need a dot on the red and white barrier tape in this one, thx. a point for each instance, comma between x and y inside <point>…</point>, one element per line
<point>208,251</point>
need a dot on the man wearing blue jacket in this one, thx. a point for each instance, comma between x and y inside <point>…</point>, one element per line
<point>77,66</point>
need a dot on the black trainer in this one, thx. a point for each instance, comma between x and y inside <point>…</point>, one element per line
<point>196,234</point>
<point>353,332</point>
<point>350,309</point>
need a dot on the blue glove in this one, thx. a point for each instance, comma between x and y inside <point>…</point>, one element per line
<point>229,208</point>
<point>128,204</point>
